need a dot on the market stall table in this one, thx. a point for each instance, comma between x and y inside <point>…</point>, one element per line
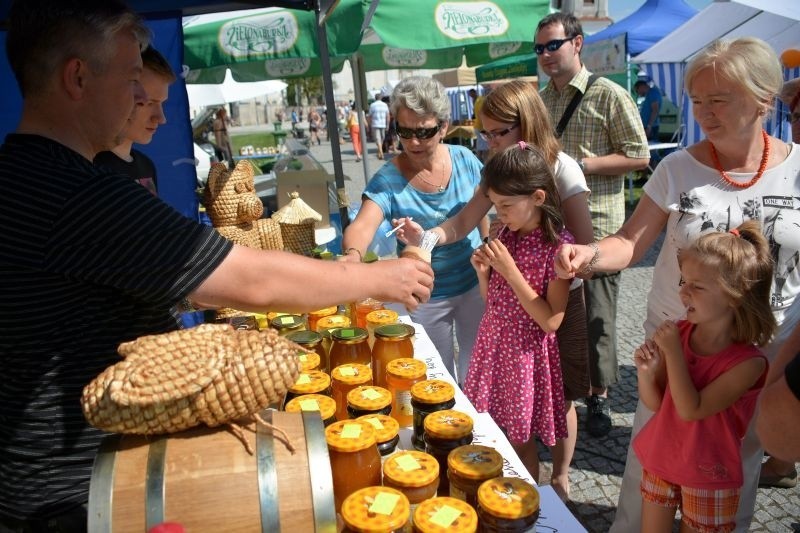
<point>554,515</point>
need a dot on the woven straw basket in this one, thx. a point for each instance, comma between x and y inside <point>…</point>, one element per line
<point>210,374</point>
<point>297,220</point>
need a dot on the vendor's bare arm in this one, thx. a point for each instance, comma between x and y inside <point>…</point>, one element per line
<point>258,280</point>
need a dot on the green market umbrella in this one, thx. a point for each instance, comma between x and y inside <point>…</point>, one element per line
<point>508,67</point>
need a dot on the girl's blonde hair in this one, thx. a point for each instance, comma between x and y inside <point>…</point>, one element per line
<point>521,170</point>
<point>743,261</point>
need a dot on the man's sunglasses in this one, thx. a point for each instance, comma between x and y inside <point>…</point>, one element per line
<point>551,46</point>
<point>419,133</point>
<point>491,135</point>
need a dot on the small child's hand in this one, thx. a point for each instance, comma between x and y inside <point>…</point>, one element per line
<point>480,262</point>
<point>668,339</point>
<point>647,358</point>
<point>499,258</point>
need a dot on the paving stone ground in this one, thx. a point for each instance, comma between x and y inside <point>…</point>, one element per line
<point>599,463</point>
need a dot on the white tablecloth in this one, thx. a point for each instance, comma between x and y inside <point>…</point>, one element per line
<point>554,515</point>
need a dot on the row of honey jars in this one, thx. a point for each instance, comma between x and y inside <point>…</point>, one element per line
<point>392,341</point>
<point>444,432</point>
<point>468,467</point>
<point>401,375</point>
<point>355,460</point>
<point>428,397</point>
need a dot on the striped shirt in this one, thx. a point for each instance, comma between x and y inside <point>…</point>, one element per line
<point>606,122</point>
<point>88,259</point>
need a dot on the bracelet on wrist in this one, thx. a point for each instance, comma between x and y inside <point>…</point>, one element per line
<point>356,250</point>
<point>593,261</point>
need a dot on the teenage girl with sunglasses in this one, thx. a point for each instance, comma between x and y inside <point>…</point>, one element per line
<point>701,376</point>
<point>429,182</point>
<point>515,370</point>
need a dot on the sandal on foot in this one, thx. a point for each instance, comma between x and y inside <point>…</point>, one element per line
<point>778,481</point>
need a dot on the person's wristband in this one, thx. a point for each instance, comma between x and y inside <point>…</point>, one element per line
<point>356,250</point>
<point>593,261</point>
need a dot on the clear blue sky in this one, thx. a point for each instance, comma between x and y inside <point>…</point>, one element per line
<point>619,9</point>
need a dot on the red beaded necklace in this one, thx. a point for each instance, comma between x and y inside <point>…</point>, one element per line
<point>761,168</point>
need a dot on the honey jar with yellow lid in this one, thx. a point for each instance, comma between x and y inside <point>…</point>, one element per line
<point>355,461</point>
<point>415,474</point>
<point>308,361</point>
<point>345,378</point>
<point>362,308</point>
<point>285,324</point>
<point>401,375</point>
<point>507,504</point>
<point>314,316</point>
<point>314,402</point>
<point>392,341</point>
<point>375,319</point>
<point>387,432</point>
<point>367,400</point>
<point>444,432</point>
<point>468,467</point>
<point>327,324</point>
<point>349,345</point>
<point>376,510</point>
<point>309,382</point>
<point>311,341</point>
<point>445,515</point>
<point>428,397</point>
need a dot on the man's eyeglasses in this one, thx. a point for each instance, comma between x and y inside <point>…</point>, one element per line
<point>551,46</point>
<point>491,135</point>
<point>419,133</point>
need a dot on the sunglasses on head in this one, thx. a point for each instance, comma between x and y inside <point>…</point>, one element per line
<point>419,133</point>
<point>551,46</point>
<point>490,135</point>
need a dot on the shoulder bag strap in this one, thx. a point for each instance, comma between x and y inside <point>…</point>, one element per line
<point>573,105</point>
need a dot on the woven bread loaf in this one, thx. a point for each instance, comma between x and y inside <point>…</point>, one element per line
<point>210,374</point>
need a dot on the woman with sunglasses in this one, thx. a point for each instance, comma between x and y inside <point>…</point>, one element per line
<point>511,113</point>
<point>429,181</point>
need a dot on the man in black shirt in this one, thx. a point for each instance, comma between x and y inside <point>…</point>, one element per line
<point>89,259</point>
<point>143,123</point>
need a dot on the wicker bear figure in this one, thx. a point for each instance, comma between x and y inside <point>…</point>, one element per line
<point>235,210</point>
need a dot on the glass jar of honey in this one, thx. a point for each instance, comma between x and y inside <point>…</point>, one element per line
<point>469,466</point>
<point>312,342</point>
<point>507,504</point>
<point>428,397</point>
<point>308,361</point>
<point>345,378</point>
<point>368,400</point>
<point>392,341</point>
<point>386,432</point>
<point>314,316</point>
<point>375,319</point>
<point>445,515</point>
<point>444,432</point>
<point>355,461</point>
<point>324,405</point>
<point>363,308</point>
<point>376,510</point>
<point>415,474</point>
<point>401,375</point>
<point>311,382</point>
<point>286,324</point>
<point>328,323</point>
<point>349,345</point>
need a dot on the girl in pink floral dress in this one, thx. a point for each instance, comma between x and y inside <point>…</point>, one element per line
<point>514,373</point>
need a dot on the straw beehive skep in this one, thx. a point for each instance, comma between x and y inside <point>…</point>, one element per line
<point>297,220</point>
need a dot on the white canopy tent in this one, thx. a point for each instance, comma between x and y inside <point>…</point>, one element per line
<point>775,21</point>
<point>204,95</point>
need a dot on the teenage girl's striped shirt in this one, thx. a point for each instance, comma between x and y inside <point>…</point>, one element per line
<point>88,259</point>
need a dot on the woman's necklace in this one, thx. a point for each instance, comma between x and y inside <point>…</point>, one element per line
<point>761,168</point>
<point>440,187</point>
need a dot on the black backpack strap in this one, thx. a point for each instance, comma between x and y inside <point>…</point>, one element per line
<point>573,105</point>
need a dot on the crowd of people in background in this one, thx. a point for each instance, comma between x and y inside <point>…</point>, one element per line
<point>522,311</point>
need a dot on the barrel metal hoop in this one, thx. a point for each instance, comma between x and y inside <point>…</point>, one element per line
<point>154,483</point>
<point>101,489</point>
<point>319,472</point>
<point>267,477</point>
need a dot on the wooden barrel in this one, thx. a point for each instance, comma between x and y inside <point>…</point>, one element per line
<point>205,480</point>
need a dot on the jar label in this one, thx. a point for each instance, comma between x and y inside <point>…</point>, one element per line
<point>303,358</point>
<point>370,394</point>
<point>351,431</point>
<point>309,405</point>
<point>407,463</point>
<point>384,503</point>
<point>446,515</point>
<point>347,333</point>
<point>304,379</point>
<point>288,319</point>
<point>375,423</point>
<point>347,371</point>
<point>403,399</point>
